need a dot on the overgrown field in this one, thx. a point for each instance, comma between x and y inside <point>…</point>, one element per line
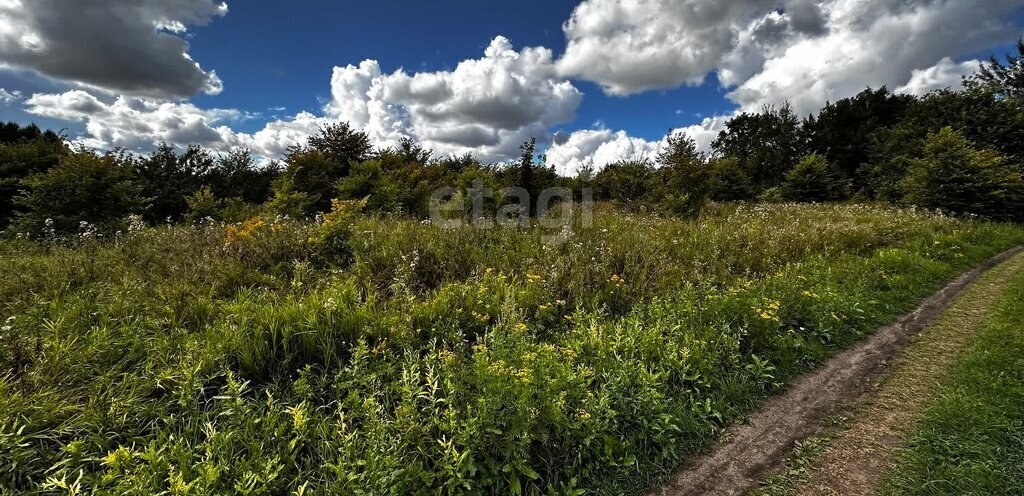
<point>404,358</point>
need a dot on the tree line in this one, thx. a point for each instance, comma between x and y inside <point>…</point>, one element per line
<point>961,151</point>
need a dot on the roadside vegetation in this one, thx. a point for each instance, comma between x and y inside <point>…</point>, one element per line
<point>382,355</point>
<point>969,441</point>
<point>855,449</point>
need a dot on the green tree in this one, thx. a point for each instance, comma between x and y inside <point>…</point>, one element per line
<point>954,176</point>
<point>315,169</point>
<point>526,179</point>
<point>24,151</point>
<point>311,173</point>
<point>371,181</point>
<point>13,133</point>
<point>767,144</point>
<point>83,187</point>
<point>1007,79</point>
<point>237,175</point>
<point>341,145</point>
<point>627,182</point>
<point>979,113</point>
<point>202,205</point>
<point>167,178</point>
<point>728,181</point>
<point>291,204</point>
<point>815,179</point>
<point>685,175</point>
<point>408,151</point>
<point>844,132</point>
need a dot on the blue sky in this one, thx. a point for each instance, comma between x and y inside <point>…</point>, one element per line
<point>292,70</point>
<point>271,56</point>
<point>613,77</point>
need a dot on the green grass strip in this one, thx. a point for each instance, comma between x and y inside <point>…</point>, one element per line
<point>971,440</point>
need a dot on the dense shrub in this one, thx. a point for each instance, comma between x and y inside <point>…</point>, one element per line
<point>83,187</point>
<point>313,175</point>
<point>203,205</point>
<point>371,181</point>
<point>236,175</point>
<point>315,169</point>
<point>952,175</point>
<point>629,182</point>
<point>23,152</point>
<point>728,181</point>
<point>815,179</point>
<point>684,176</point>
<point>334,235</point>
<point>167,178</point>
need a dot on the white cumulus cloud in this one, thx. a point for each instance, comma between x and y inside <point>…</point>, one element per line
<point>130,47</point>
<point>485,106</point>
<point>597,148</point>
<point>944,75</point>
<point>138,124</point>
<point>874,43</point>
<point>769,51</point>
<point>631,46</point>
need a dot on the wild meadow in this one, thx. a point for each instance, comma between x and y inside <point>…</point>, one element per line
<point>376,354</point>
<point>181,320</point>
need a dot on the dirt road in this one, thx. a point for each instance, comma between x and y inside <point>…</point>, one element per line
<point>762,444</point>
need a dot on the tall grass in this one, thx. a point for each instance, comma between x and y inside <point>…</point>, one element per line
<point>206,360</point>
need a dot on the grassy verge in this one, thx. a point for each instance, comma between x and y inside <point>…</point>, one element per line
<point>414,359</point>
<point>971,440</point>
<point>861,449</point>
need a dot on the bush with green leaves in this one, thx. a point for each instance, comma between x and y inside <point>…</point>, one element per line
<point>314,170</point>
<point>728,181</point>
<point>628,183</point>
<point>290,204</point>
<point>203,205</point>
<point>166,178</point>
<point>684,174</point>
<point>313,175</point>
<point>371,181</point>
<point>238,175</point>
<point>336,229</point>
<point>24,151</point>
<point>952,175</point>
<point>84,187</point>
<point>815,179</point>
